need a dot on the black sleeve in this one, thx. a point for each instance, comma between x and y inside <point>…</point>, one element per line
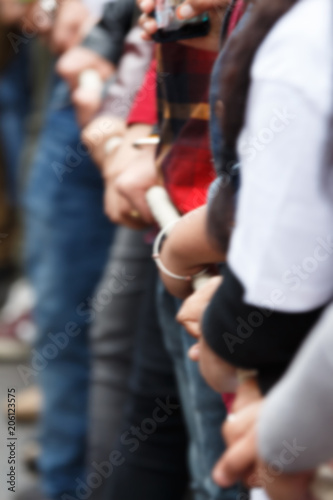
<point>108,36</point>
<point>251,337</point>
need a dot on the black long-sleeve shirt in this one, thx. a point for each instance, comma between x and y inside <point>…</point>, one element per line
<point>250,337</point>
<point>108,36</point>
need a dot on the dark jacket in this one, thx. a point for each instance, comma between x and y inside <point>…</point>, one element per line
<point>108,36</point>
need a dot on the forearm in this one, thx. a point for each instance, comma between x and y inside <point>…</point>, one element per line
<point>188,251</point>
<point>126,153</point>
<point>188,245</point>
<point>252,337</point>
<point>135,61</point>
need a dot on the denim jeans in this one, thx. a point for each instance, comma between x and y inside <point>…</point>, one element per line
<point>203,408</point>
<point>14,107</point>
<point>67,242</point>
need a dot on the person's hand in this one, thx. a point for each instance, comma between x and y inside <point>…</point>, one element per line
<point>97,135</point>
<point>248,392</point>
<point>87,103</point>
<point>219,375</point>
<point>192,8</point>
<point>116,204</point>
<point>187,251</point>
<point>133,184</point>
<point>72,22</point>
<point>78,59</point>
<point>193,308</point>
<point>146,21</point>
<point>87,100</point>
<point>287,486</point>
<point>240,461</point>
<point>12,12</point>
<point>188,10</point>
<point>38,21</point>
<point>124,198</point>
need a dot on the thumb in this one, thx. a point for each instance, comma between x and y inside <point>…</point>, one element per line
<point>193,8</point>
<point>190,9</point>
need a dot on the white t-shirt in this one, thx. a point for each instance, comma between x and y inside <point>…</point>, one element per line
<point>282,245</point>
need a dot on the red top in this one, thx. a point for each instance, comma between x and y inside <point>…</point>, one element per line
<point>144,109</point>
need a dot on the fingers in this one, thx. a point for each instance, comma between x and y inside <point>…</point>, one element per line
<point>135,198</point>
<point>147,6</point>
<point>69,67</point>
<point>187,10</point>
<point>97,135</point>
<point>189,316</point>
<point>191,312</point>
<point>288,486</point>
<point>40,20</point>
<point>189,320</point>
<point>236,461</point>
<point>248,393</point>
<point>87,104</point>
<point>238,424</point>
<point>193,8</point>
<point>74,62</point>
<point>149,25</point>
<point>146,21</point>
<point>192,326</point>
<point>194,352</point>
<point>118,210</point>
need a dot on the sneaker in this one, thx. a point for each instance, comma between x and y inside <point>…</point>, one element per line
<point>33,493</point>
<point>17,329</point>
<point>28,404</point>
<point>30,455</point>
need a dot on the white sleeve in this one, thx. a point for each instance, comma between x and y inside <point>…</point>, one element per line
<point>282,246</point>
<point>295,428</point>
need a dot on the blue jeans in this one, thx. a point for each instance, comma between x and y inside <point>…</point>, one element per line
<point>203,408</point>
<point>67,243</point>
<point>14,106</point>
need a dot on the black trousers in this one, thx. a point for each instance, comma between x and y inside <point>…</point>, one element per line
<point>152,445</point>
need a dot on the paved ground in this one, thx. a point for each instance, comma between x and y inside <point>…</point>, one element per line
<point>9,378</point>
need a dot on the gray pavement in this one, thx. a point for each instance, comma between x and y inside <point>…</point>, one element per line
<point>9,378</point>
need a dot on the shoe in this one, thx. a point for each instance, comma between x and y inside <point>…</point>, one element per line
<point>30,455</point>
<point>17,329</point>
<point>28,404</point>
<point>8,275</point>
<point>31,494</point>
<point>12,347</point>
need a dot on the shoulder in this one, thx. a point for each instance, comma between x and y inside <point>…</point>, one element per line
<point>297,50</point>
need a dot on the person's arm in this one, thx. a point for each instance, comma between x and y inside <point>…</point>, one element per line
<point>102,48</point>
<point>136,60</point>
<point>188,10</point>
<point>252,336</point>
<point>108,36</point>
<point>266,304</point>
<point>12,12</point>
<point>187,251</point>
<point>295,427</point>
<point>127,175</point>
<point>124,99</point>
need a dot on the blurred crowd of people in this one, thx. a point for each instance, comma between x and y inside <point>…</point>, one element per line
<point>198,367</point>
